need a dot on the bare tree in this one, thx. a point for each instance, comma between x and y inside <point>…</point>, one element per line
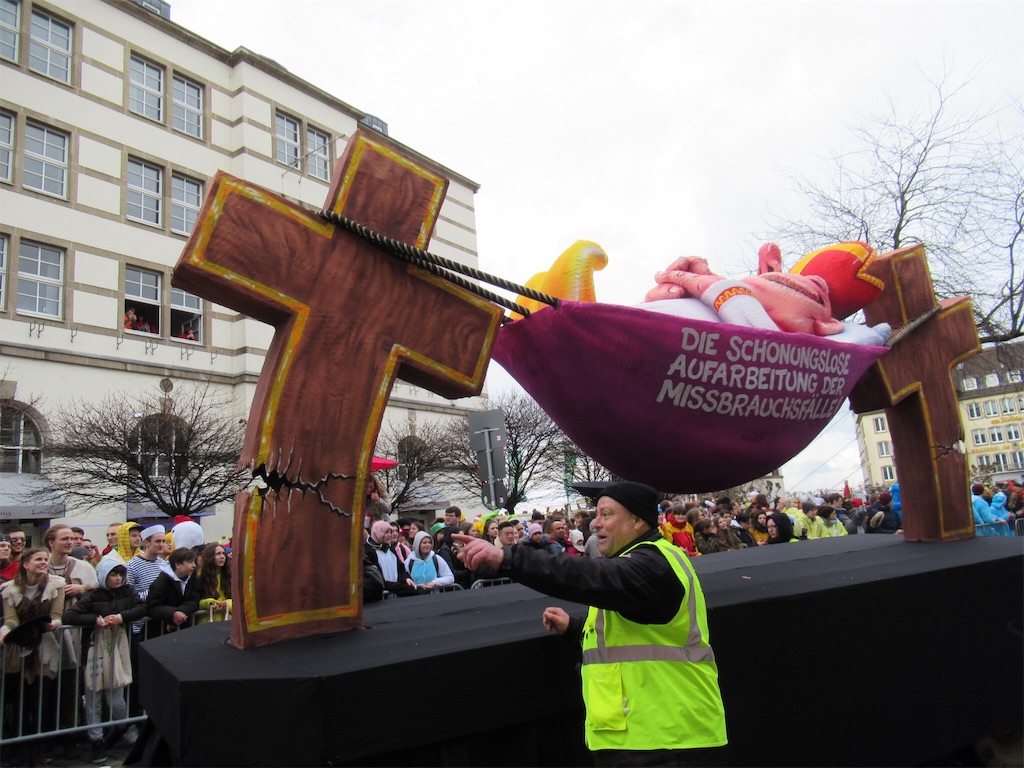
<point>949,177</point>
<point>178,453</point>
<point>422,457</point>
<point>534,450</point>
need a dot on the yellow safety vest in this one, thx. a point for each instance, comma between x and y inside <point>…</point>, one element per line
<point>653,686</point>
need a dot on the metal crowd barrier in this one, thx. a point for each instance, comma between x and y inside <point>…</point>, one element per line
<point>55,706</point>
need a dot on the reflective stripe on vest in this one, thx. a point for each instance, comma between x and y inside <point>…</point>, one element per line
<point>694,650</point>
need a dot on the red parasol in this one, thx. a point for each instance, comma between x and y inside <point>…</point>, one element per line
<point>379,462</point>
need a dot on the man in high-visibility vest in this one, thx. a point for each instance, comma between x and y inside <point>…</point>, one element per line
<point>650,682</point>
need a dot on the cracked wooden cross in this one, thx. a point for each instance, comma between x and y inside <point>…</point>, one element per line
<point>348,320</point>
<point>913,383</point>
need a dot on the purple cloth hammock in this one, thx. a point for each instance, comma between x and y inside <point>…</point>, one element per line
<point>680,404</point>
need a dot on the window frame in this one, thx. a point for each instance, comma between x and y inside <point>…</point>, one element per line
<point>1012,433</point>
<point>7,146</point>
<point>14,31</point>
<point>991,408</point>
<point>152,304</point>
<point>888,473</point>
<point>979,437</point>
<point>879,424</point>
<point>317,150</point>
<point>5,249</point>
<point>138,91</point>
<point>968,383</point>
<point>143,193</point>
<point>307,157</point>
<point>37,44</point>
<point>995,435</point>
<point>1007,405</point>
<point>185,206</point>
<point>884,449</point>
<point>41,280</point>
<point>180,307</point>
<point>45,161</point>
<point>185,107</point>
<point>974,410</point>
<point>18,447</point>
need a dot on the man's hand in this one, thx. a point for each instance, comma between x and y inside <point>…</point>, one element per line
<point>556,619</point>
<point>478,552</point>
<point>179,618</point>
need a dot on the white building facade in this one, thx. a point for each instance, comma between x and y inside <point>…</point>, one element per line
<point>113,120</point>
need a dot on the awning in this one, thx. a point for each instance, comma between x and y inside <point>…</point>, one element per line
<point>423,498</point>
<point>24,496</point>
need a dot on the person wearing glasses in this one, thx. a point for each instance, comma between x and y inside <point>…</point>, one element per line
<point>18,541</point>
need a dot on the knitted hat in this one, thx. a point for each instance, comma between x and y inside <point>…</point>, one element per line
<point>640,499</point>
<point>534,528</point>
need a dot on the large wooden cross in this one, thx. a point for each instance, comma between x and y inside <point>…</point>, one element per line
<point>348,320</point>
<point>913,383</point>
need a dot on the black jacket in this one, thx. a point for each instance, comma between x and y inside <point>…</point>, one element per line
<point>102,601</point>
<point>641,586</point>
<point>165,598</point>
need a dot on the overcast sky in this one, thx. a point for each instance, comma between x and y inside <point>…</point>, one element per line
<point>656,129</point>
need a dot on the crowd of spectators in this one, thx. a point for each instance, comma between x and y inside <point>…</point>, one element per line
<point>149,581</point>
<point>73,619</point>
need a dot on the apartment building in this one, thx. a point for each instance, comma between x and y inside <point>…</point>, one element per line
<point>113,120</point>
<point>990,390</point>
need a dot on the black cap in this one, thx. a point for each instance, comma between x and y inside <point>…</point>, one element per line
<point>640,499</point>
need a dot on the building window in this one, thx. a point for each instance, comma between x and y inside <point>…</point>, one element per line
<point>318,159</point>
<point>49,50</point>
<point>1012,432</point>
<point>991,408</point>
<point>995,434</point>
<point>288,148</point>
<point>146,91</point>
<point>980,436</point>
<point>974,410</point>
<point>186,315</point>
<point>186,199</point>
<point>884,449</point>
<point>40,280</point>
<point>879,423</point>
<point>969,383</point>
<point>141,300</point>
<point>984,460</point>
<point>6,146</point>
<point>286,145</point>
<point>145,192</point>
<point>187,107</point>
<point>1007,405</point>
<point>888,473</point>
<point>10,23</point>
<point>159,444</point>
<point>5,245</point>
<point>1015,377</point>
<point>1000,460</point>
<point>991,379</point>
<point>20,440</point>
<point>46,160</point>
<point>1017,459</point>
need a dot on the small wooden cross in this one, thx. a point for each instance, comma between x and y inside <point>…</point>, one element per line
<point>913,383</point>
<point>348,320</point>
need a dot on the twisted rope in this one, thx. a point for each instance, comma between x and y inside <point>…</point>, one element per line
<point>442,267</point>
<point>897,336</point>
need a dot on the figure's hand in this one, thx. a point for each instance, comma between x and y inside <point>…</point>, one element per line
<point>687,276</point>
<point>52,626</point>
<point>478,552</point>
<point>555,619</point>
<point>179,618</point>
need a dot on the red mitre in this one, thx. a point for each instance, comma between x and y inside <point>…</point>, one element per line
<point>844,267</point>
